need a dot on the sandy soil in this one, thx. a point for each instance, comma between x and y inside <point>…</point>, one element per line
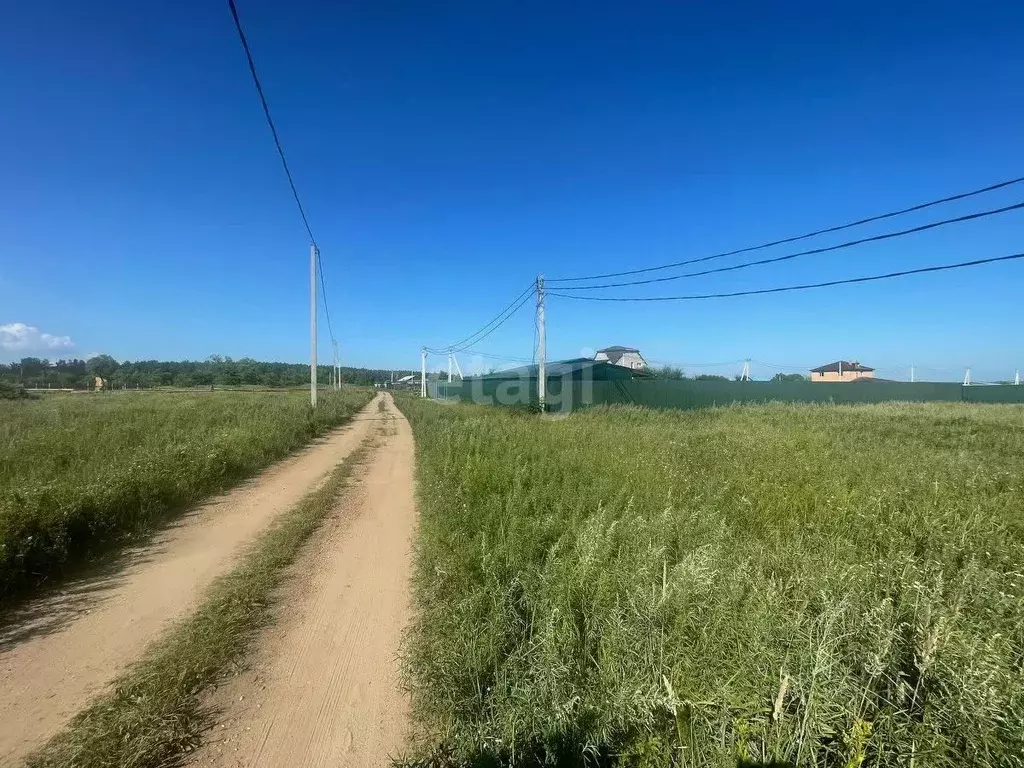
<point>60,650</point>
<point>322,688</point>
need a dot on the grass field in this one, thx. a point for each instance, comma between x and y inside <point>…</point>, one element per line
<point>794,585</point>
<point>80,472</point>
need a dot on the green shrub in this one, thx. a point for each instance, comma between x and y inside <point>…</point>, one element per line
<point>13,392</point>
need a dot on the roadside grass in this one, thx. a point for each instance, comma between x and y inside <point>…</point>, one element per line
<point>154,715</point>
<point>805,585</point>
<point>79,473</point>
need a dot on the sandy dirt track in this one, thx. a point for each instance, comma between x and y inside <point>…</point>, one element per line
<point>59,651</point>
<point>322,688</point>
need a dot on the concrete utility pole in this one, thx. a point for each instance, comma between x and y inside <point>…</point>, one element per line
<point>423,372</point>
<point>745,376</point>
<point>457,368</point>
<point>542,371</point>
<point>967,377</point>
<point>911,373</point>
<point>312,325</point>
<point>337,367</point>
<point>450,355</point>
<point>1016,378</point>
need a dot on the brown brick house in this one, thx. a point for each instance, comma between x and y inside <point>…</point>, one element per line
<point>842,370</point>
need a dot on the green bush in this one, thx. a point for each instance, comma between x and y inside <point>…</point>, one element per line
<point>79,472</point>
<point>13,392</point>
<point>808,585</point>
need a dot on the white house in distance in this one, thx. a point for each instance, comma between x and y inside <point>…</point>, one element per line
<point>627,357</point>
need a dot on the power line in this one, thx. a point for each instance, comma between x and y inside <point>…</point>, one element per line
<point>803,287</point>
<point>500,319</point>
<point>270,121</point>
<point>481,336</point>
<point>284,161</point>
<point>697,365</point>
<point>323,290</point>
<point>492,356</point>
<point>788,256</point>
<point>825,231</point>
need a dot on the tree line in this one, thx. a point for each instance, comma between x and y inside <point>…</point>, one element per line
<point>675,372</point>
<point>215,371</point>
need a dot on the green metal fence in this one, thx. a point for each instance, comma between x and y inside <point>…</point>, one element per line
<point>566,394</point>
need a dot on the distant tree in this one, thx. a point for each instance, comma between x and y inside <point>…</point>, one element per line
<point>710,377</point>
<point>789,377</point>
<point>31,368</point>
<point>103,366</point>
<point>668,372</point>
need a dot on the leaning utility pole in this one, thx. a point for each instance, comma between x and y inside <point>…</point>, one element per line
<point>967,377</point>
<point>423,372</point>
<point>542,373</point>
<point>312,325</point>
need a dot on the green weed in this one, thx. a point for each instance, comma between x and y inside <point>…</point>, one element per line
<point>81,472</point>
<point>805,585</point>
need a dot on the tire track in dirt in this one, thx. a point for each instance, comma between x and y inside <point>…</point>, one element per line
<point>59,651</point>
<point>323,688</point>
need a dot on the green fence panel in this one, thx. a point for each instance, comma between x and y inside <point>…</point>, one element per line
<point>569,393</point>
<point>705,394</point>
<point>998,393</point>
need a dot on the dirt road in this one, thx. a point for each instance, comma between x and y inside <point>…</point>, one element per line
<point>61,650</point>
<point>322,688</point>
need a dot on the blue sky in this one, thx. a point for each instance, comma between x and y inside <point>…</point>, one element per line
<point>449,152</point>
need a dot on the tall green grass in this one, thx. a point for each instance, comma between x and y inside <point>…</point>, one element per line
<point>80,472</point>
<point>803,585</point>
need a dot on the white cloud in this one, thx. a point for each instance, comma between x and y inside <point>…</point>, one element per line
<point>18,337</point>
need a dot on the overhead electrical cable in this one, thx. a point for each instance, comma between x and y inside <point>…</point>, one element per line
<point>483,335</point>
<point>789,256</point>
<point>280,153</point>
<point>492,356</point>
<point>796,238</point>
<point>803,287</point>
<point>500,319</point>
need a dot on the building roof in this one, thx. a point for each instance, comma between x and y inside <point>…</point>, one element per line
<point>844,364</point>
<point>616,353</point>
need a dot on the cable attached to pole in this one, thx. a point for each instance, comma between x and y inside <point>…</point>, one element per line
<point>796,238</point>
<point>790,256</point>
<point>482,333</point>
<point>804,287</point>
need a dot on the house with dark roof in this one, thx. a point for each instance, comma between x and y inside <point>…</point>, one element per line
<point>842,370</point>
<point>625,357</point>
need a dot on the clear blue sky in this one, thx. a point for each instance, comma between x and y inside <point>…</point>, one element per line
<point>448,152</point>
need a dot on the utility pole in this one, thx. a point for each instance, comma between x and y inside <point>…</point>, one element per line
<point>312,325</point>
<point>457,368</point>
<point>337,367</point>
<point>911,373</point>
<point>745,376</point>
<point>967,377</point>
<point>542,370</point>
<point>423,372</point>
<point>1016,378</point>
<point>449,367</point>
